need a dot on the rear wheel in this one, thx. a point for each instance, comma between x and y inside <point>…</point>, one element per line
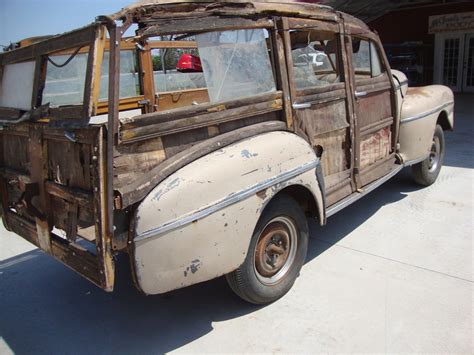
<point>426,172</point>
<point>276,253</point>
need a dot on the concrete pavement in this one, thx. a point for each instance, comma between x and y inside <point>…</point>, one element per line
<point>391,273</point>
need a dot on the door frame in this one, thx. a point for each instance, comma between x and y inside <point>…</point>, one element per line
<point>376,170</point>
<point>338,185</point>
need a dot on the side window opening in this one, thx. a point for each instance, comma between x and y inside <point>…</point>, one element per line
<point>176,68</point>
<point>211,67</point>
<point>236,64</point>
<point>188,69</point>
<point>129,75</point>
<point>66,75</point>
<point>65,78</point>
<point>315,59</point>
<point>365,59</point>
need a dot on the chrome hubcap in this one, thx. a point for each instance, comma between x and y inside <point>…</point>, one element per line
<point>275,250</point>
<point>433,159</point>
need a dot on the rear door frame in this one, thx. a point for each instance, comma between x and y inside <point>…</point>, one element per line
<point>364,176</point>
<point>338,185</point>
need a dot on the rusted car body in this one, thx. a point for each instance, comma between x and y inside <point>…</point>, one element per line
<point>106,148</point>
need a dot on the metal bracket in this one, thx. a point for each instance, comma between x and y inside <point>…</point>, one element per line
<point>301,106</point>
<point>359,94</point>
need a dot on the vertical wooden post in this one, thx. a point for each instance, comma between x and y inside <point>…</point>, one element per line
<point>148,81</point>
<point>105,150</point>
<point>39,81</point>
<point>97,69</point>
<point>351,88</point>
<point>282,73</point>
<point>285,30</point>
<point>349,97</point>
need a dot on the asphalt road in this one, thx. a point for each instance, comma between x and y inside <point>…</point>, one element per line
<point>391,273</point>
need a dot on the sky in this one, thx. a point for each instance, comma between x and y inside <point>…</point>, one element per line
<point>27,18</point>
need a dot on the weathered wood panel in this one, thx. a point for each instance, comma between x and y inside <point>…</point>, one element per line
<point>326,126</point>
<point>139,187</point>
<point>335,151</point>
<point>374,108</point>
<point>74,39</point>
<point>375,147</point>
<point>179,99</point>
<point>69,164</point>
<point>61,216</point>
<point>160,124</point>
<point>169,27</point>
<point>152,12</point>
<point>132,161</point>
<point>15,152</point>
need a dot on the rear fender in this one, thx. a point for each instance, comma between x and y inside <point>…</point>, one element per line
<point>197,224</point>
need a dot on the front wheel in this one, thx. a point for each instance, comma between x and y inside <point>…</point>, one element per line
<point>426,172</point>
<point>276,253</point>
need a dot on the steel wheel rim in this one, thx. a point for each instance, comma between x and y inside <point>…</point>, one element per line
<point>275,250</point>
<point>433,159</point>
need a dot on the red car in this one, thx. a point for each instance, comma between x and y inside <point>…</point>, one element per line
<point>189,63</point>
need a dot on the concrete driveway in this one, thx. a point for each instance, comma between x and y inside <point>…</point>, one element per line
<point>391,273</point>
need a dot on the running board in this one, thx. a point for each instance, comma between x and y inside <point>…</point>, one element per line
<point>357,195</point>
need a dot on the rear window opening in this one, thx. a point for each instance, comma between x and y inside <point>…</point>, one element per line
<point>16,86</point>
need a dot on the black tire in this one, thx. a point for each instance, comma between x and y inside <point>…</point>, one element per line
<point>426,172</point>
<point>283,220</point>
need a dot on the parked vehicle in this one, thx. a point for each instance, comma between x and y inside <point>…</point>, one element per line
<point>106,147</point>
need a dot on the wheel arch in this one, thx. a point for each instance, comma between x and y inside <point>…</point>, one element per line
<point>305,198</point>
<point>444,122</point>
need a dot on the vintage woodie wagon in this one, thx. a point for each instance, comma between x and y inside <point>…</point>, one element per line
<point>200,144</point>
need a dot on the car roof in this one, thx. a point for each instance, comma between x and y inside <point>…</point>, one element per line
<point>274,6</point>
<point>146,10</point>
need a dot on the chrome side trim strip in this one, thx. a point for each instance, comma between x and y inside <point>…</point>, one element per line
<point>226,201</point>
<point>424,114</point>
<point>415,161</point>
<point>358,195</point>
<point>301,106</point>
<point>308,104</point>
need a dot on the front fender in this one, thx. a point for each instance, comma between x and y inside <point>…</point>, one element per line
<point>421,109</point>
<point>197,224</point>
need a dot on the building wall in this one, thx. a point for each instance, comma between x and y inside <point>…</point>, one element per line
<point>411,25</point>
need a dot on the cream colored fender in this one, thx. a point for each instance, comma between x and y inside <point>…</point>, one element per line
<point>197,224</point>
<point>421,109</point>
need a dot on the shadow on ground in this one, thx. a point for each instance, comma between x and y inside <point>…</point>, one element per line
<point>460,143</point>
<point>47,308</point>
